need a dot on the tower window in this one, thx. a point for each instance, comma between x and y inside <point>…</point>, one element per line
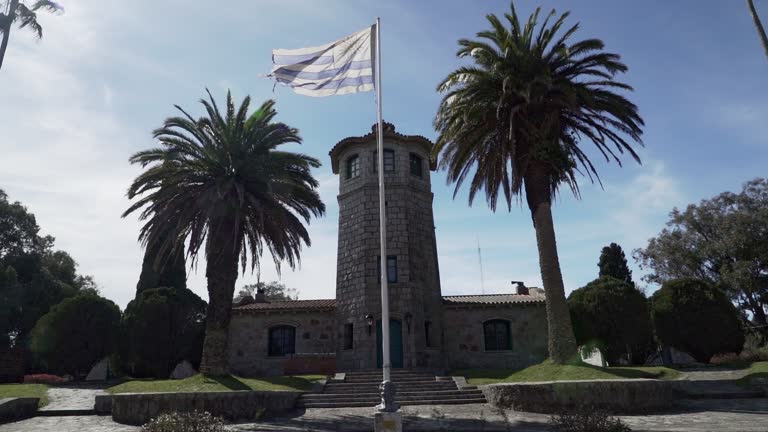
<point>497,335</point>
<point>353,167</point>
<point>282,341</point>
<point>428,333</point>
<point>348,336</point>
<point>389,161</point>
<point>391,269</point>
<point>416,165</point>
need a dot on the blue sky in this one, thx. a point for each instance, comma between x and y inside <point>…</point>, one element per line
<point>78,103</point>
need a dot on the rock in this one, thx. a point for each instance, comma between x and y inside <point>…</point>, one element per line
<point>183,370</point>
<point>99,372</point>
<point>594,358</point>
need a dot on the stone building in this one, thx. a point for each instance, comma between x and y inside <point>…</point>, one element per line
<point>428,330</point>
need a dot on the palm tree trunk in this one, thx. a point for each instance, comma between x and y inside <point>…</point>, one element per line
<point>221,272</point>
<point>758,25</point>
<point>562,343</point>
<point>7,30</point>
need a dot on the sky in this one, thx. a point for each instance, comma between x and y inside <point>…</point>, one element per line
<point>76,104</point>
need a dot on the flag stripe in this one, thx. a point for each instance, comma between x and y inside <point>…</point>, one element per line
<point>314,58</point>
<point>328,73</point>
<point>335,84</point>
<point>341,67</point>
<point>297,81</point>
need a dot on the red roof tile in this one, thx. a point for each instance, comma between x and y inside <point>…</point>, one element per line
<point>454,300</point>
<point>292,304</point>
<point>492,299</point>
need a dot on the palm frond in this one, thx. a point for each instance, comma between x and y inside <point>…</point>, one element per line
<point>221,179</point>
<point>531,96</point>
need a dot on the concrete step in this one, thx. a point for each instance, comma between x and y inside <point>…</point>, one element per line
<point>375,388</point>
<point>405,378</point>
<point>64,412</point>
<point>451,394</point>
<point>409,382</point>
<point>392,372</point>
<point>353,404</point>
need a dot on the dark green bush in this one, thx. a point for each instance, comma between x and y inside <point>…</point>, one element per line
<point>75,334</point>
<point>696,317</point>
<point>160,328</point>
<point>613,315</point>
<point>195,421</point>
<point>587,420</point>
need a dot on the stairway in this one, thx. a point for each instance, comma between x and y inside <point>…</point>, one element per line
<point>414,387</point>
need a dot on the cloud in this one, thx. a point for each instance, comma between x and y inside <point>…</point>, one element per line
<point>746,121</point>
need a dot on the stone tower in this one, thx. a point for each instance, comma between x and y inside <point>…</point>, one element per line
<point>412,269</point>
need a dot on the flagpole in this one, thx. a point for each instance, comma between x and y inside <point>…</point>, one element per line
<point>387,389</point>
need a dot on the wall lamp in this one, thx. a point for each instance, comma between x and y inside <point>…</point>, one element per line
<point>369,321</point>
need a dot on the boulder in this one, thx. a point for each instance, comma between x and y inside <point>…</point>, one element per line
<point>99,372</point>
<point>183,370</point>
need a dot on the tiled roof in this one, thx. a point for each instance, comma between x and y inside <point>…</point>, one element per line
<point>389,134</point>
<point>292,304</point>
<point>454,300</point>
<point>492,299</point>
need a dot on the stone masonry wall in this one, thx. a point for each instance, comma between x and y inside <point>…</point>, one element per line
<point>249,339</point>
<point>465,342</point>
<point>410,237</point>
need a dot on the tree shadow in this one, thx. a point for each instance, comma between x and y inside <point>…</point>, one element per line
<point>228,381</point>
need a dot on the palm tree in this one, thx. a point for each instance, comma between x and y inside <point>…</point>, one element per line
<point>758,25</point>
<point>516,118</point>
<point>220,182</point>
<point>26,16</point>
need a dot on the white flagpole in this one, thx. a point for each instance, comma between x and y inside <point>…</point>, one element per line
<point>382,217</point>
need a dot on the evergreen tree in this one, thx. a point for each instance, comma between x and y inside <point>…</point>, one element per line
<point>161,272</point>
<point>613,263</point>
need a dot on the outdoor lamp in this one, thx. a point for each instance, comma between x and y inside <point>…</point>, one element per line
<point>369,320</point>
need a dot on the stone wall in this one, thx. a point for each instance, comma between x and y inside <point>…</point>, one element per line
<point>139,408</point>
<point>614,396</point>
<point>249,338</point>
<point>12,409</point>
<point>465,341</point>
<point>11,365</point>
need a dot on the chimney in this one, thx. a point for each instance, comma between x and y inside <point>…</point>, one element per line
<point>521,288</point>
<point>260,296</point>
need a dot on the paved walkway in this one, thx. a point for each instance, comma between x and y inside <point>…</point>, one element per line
<point>698,416</point>
<point>72,398</point>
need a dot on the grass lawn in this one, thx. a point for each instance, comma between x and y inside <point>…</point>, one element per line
<point>547,371</point>
<point>202,383</point>
<point>25,390</point>
<point>756,370</point>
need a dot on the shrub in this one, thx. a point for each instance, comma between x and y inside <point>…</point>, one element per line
<point>160,328</point>
<point>613,315</point>
<point>696,317</point>
<point>195,421</point>
<point>75,334</point>
<point>43,379</point>
<point>587,420</point>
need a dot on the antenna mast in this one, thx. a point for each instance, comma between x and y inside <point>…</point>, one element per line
<point>480,259</point>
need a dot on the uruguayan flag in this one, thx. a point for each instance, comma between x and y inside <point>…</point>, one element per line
<point>341,67</point>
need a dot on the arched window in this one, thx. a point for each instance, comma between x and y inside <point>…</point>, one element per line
<point>282,340</point>
<point>497,335</point>
<point>416,165</point>
<point>353,167</point>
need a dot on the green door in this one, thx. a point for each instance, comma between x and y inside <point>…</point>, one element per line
<point>395,343</point>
